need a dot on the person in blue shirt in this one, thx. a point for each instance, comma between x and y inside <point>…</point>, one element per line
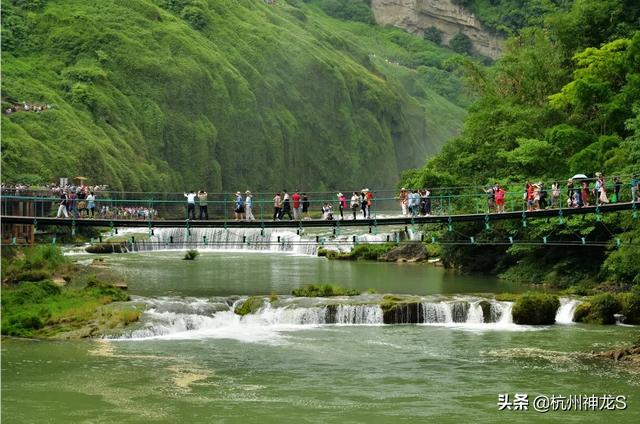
<point>239,210</point>
<point>634,188</point>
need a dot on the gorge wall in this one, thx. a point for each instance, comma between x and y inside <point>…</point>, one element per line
<point>416,15</point>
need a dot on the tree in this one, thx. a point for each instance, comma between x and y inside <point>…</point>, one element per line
<point>433,34</point>
<point>461,43</point>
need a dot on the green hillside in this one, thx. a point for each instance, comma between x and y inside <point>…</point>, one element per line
<point>563,99</point>
<point>222,94</point>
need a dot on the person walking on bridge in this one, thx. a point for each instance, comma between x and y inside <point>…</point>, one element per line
<point>403,200</point>
<point>277,207</point>
<point>499,197</point>
<point>305,205</point>
<point>286,206</point>
<point>342,204</point>
<point>634,188</point>
<point>248,206</point>
<point>202,202</point>
<point>295,199</point>
<point>91,204</point>
<point>239,209</point>
<point>355,203</point>
<point>62,209</point>
<point>191,204</point>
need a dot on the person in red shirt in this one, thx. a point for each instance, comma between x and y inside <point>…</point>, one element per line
<point>297,207</point>
<point>499,193</point>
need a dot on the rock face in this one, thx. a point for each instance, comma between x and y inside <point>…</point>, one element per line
<point>416,15</point>
<point>630,354</point>
<point>409,252</point>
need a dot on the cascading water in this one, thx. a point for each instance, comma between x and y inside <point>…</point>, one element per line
<point>177,318</point>
<point>566,311</point>
<point>228,239</point>
<point>254,239</point>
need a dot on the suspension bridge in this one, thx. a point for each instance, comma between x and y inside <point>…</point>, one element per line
<point>23,215</point>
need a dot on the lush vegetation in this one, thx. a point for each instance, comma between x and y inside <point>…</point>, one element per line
<point>219,94</point>
<point>365,251</point>
<point>34,306</point>
<point>38,263</point>
<point>563,99</point>
<point>601,308</point>
<point>535,309</point>
<point>509,16</point>
<point>191,255</point>
<point>323,290</point>
<point>252,304</point>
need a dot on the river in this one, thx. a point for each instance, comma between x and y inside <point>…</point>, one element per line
<point>192,360</point>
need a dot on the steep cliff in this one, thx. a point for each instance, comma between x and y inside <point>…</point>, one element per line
<point>449,18</point>
<point>225,94</point>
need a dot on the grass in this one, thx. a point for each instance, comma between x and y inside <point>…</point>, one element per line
<point>34,306</point>
<point>100,65</point>
<point>35,263</point>
<point>369,252</point>
<point>42,309</point>
<point>324,290</point>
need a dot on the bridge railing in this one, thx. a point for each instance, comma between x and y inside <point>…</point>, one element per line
<point>443,201</point>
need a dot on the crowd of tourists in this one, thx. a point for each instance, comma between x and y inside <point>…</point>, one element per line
<point>27,107</point>
<point>80,201</point>
<point>580,192</point>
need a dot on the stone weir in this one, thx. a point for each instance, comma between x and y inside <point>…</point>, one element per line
<point>417,15</point>
<point>185,318</point>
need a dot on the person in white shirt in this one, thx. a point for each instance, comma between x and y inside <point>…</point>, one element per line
<point>355,203</point>
<point>191,204</point>
<point>248,206</point>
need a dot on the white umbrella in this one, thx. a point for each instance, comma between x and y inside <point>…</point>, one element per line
<point>579,177</point>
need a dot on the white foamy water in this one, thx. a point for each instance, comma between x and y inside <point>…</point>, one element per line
<point>194,318</point>
<point>566,310</point>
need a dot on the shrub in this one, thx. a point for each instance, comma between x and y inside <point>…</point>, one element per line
<point>599,309</point>
<point>30,293</point>
<point>433,34</point>
<point>535,309</point>
<point>603,306</point>
<point>195,16</point>
<point>323,290</point>
<point>191,255</point>
<point>460,43</point>
<point>32,275</point>
<point>630,303</point>
<point>249,306</point>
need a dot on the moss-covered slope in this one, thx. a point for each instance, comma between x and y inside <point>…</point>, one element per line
<point>222,94</point>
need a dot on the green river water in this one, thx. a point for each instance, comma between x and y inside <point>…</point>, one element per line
<point>190,363</point>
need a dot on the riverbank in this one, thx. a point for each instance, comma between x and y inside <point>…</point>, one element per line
<point>47,296</point>
<point>386,252</point>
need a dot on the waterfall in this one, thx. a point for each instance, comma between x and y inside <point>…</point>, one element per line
<point>255,239</point>
<point>566,310</point>
<point>215,239</point>
<point>439,313</point>
<point>192,318</point>
<point>475,314</point>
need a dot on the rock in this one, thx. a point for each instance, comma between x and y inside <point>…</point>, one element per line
<point>408,252</point>
<point>417,15</point>
<point>486,310</point>
<point>535,309</point>
<point>106,248</point>
<point>402,313</point>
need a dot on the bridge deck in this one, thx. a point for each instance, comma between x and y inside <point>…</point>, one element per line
<point>318,223</point>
